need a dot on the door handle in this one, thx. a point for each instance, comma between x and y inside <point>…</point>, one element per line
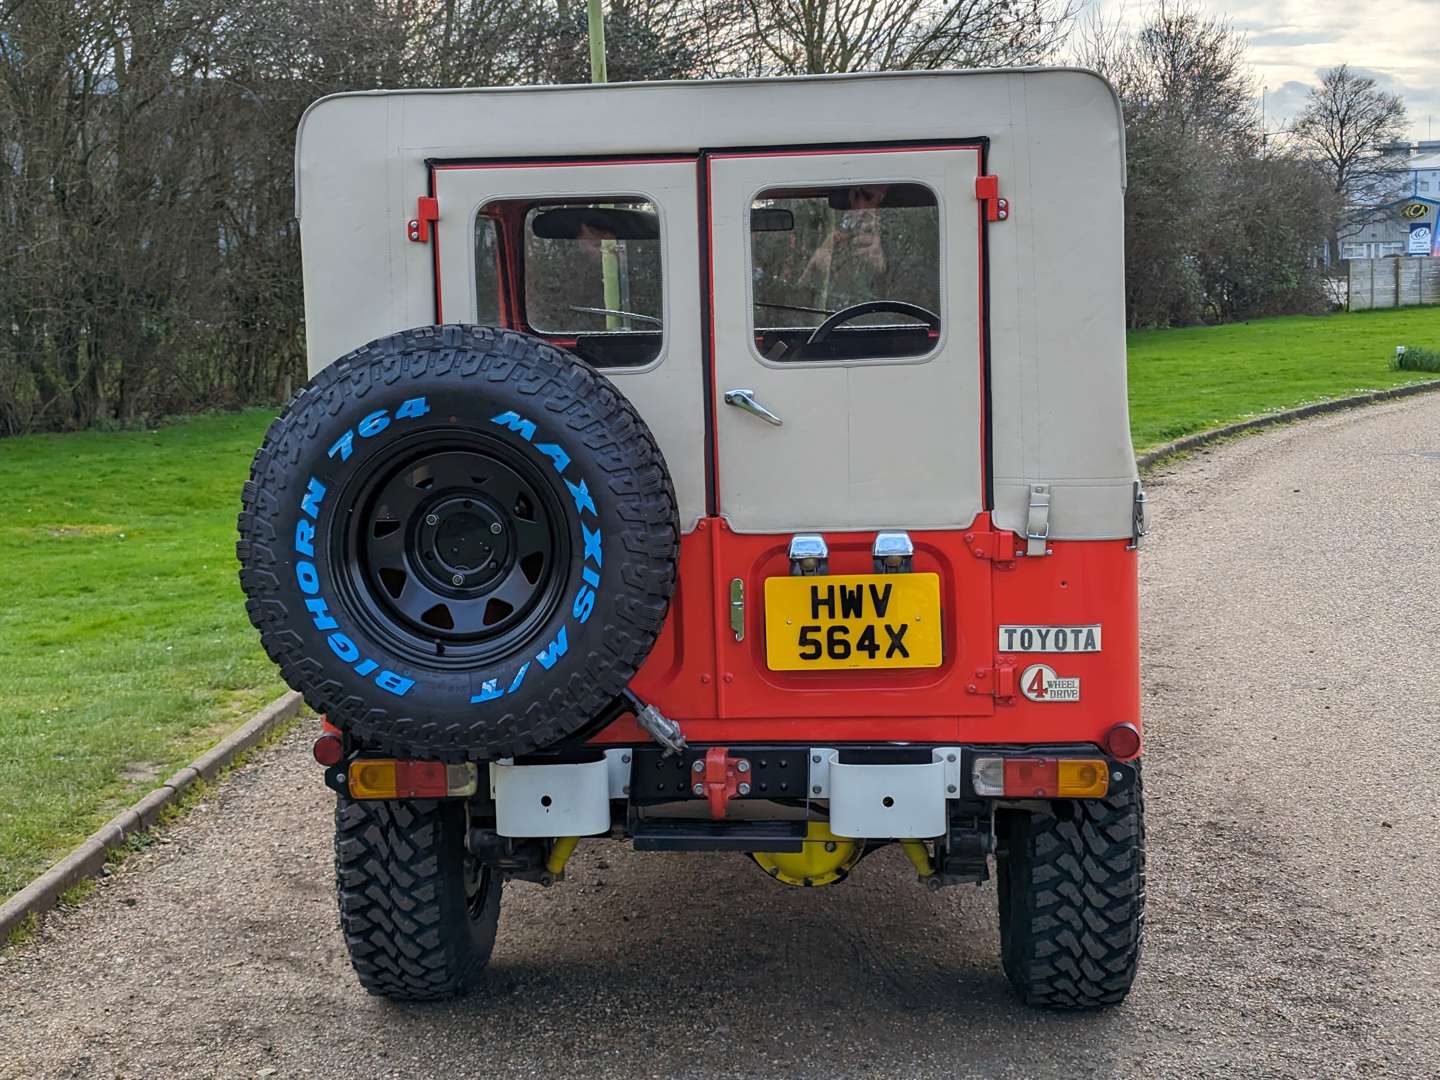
<point>745,399</point>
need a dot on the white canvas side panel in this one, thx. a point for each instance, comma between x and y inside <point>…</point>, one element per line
<point>1057,312</point>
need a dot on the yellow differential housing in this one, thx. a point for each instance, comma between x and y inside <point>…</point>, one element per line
<point>824,858</point>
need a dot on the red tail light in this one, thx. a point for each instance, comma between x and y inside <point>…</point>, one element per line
<point>1037,777</point>
<point>1041,778</point>
<point>328,749</point>
<point>1122,742</point>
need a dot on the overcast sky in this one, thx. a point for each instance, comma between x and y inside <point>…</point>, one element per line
<point>1395,42</point>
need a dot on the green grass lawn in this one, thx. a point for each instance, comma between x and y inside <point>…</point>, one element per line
<point>124,648</point>
<point>1188,380</point>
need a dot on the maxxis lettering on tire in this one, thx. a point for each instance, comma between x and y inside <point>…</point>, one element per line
<point>458,542</point>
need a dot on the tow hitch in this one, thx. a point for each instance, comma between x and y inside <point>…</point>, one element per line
<point>720,776</point>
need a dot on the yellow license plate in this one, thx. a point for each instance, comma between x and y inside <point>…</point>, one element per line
<point>852,621</point>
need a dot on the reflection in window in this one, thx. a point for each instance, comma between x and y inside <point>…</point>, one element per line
<point>587,269</point>
<point>592,271</point>
<point>844,273</point>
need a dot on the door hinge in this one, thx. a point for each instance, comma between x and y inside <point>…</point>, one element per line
<point>1000,547</point>
<point>997,681</point>
<point>987,190</point>
<point>427,210</point>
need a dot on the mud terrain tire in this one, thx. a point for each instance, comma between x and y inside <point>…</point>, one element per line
<point>458,542</point>
<point>418,915</point>
<point>1072,900</point>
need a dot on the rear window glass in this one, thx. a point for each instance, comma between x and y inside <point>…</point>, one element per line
<point>592,272</point>
<point>845,272</point>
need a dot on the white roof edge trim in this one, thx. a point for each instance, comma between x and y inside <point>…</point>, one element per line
<point>643,86</point>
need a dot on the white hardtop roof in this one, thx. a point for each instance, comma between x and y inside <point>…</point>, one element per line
<point>687,115</point>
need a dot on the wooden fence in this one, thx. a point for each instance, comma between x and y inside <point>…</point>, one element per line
<point>1385,283</point>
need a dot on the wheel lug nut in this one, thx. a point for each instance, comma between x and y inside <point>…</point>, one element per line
<point>496,527</point>
<point>458,579</point>
<point>431,519</point>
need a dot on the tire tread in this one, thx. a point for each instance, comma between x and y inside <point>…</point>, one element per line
<point>401,899</point>
<point>1072,902</point>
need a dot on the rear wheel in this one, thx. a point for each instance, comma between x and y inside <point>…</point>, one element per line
<point>1072,900</point>
<point>417,911</point>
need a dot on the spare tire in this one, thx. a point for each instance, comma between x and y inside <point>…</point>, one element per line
<point>459,543</point>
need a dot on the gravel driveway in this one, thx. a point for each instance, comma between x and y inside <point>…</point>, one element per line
<point>1293,708</point>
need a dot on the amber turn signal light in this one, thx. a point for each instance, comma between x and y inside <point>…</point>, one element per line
<point>1041,778</point>
<point>392,778</point>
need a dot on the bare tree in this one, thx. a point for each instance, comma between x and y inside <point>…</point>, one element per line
<point>797,37</point>
<point>1203,240</point>
<point>149,259</point>
<point>1346,125</point>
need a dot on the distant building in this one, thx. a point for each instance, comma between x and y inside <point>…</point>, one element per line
<point>1414,201</point>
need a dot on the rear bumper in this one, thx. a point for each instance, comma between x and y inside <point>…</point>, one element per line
<point>866,792</point>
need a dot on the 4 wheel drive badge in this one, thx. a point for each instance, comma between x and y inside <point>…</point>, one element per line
<point>1040,683</point>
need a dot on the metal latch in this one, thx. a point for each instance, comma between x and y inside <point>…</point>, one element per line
<point>737,608</point>
<point>427,210</point>
<point>1037,523</point>
<point>894,553</point>
<point>1140,518</point>
<point>809,555</point>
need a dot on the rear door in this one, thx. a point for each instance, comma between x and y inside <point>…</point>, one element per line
<point>880,412</point>
<point>847,348</point>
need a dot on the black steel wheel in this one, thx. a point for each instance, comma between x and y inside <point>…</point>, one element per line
<point>455,547</point>
<point>459,543</point>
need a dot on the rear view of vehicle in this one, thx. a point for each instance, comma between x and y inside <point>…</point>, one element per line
<point>725,467</point>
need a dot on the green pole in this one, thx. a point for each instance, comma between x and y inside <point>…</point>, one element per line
<point>597,41</point>
<point>609,258</point>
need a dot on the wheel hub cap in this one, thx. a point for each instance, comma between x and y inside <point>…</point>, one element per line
<point>457,548</point>
<point>465,538</point>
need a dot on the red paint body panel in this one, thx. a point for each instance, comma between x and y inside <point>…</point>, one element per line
<point>722,691</point>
